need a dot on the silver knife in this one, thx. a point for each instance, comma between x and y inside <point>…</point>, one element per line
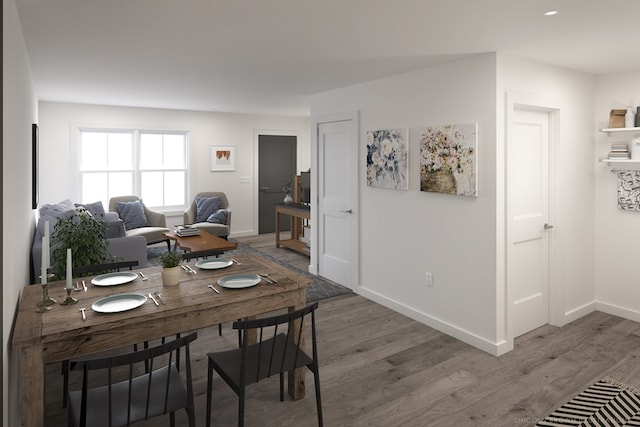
<point>216,291</point>
<point>191,269</point>
<point>154,300</point>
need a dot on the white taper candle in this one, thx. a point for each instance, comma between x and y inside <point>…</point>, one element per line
<point>69,268</point>
<point>46,246</point>
<point>43,268</point>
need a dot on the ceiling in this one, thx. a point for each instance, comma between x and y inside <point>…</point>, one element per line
<point>270,56</point>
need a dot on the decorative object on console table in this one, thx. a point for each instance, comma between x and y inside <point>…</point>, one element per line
<point>287,191</point>
<point>637,120</point>
<point>170,262</point>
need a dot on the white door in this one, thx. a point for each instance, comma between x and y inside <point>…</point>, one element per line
<point>337,195</point>
<point>528,219</point>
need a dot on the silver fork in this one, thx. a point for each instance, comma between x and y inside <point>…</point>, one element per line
<point>268,278</point>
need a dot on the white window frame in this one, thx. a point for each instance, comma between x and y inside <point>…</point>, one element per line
<point>136,170</point>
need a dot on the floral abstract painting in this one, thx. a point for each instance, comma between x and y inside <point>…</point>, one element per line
<point>388,159</point>
<point>448,159</point>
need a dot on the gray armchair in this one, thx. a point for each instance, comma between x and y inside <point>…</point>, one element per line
<point>217,229</point>
<point>153,232</point>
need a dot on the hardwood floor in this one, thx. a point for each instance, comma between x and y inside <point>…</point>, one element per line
<point>380,368</point>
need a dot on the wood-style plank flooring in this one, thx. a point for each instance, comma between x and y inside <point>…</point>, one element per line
<point>380,368</point>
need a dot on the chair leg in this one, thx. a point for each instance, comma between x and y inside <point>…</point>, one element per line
<point>281,387</point>
<point>209,387</point>
<point>316,381</point>
<point>241,407</point>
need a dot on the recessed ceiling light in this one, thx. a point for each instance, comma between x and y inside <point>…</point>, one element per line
<point>551,13</point>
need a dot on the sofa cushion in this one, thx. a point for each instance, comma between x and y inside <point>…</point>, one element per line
<point>52,212</point>
<point>219,217</point>
<point>205,207</point>
<point>132,213</point>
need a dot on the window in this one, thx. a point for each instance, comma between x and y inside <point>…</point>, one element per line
<point>150,164</point>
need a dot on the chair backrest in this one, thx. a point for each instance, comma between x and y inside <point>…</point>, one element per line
<point>143,391</point>
<point>189,216</point>
<point>278,349</point>
<point>103,268</point>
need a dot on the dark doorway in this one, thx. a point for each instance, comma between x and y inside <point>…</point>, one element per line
<point>277,162</point>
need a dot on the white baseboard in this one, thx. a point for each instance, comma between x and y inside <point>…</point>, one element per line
<point>470,338</point>
<point>618,311</point>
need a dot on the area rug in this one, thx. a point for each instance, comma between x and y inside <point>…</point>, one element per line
<point>319,289</point>
<point>606,403</point>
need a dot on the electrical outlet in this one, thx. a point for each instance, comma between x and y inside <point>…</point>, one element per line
<point>428,279</point>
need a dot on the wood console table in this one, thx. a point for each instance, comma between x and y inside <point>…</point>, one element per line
<point>297,212</point>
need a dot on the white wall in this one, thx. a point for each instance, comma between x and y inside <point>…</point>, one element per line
<point>617,232</point>
<point>19,112</point>
<point>461,240</point>
<point>58,129</point>
<point>406,233</point>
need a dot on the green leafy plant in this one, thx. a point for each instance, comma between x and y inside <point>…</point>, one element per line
<point>85,236</point>
<point>170,259</point>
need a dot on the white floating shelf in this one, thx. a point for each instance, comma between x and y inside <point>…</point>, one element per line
<point>616,130</point>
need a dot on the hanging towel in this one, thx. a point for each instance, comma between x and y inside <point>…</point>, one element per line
<point>629,190</point>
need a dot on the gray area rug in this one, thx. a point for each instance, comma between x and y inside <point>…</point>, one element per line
<point>320,288</point>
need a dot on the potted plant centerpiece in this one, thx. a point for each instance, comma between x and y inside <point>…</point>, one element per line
<point>170,262</point>
<point>85,236</point>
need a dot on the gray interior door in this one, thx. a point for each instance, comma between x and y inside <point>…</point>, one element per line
<point>276,163</point>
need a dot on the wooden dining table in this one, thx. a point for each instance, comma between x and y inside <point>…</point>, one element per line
<point>62,334</point>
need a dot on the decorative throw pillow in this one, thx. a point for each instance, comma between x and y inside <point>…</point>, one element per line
<point>205,207</point>
<point>132,213</point>
<point>219,217</point>
<point>96,209</point>
<point>51,213</point>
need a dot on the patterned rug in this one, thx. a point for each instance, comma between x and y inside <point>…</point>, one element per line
<point>320,288</point>
<point>606,403</point>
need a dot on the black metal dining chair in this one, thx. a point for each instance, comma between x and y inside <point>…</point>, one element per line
<point>140,393</point>
<point>274,353</point>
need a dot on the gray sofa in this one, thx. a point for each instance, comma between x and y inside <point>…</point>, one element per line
<point>125,248</point>
<point>220,229</point>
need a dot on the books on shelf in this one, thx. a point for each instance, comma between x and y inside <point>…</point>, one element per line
<point>186,230</point>
<point>619,151</point>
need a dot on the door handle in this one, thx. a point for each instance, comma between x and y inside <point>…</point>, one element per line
<point>547,226</point>
<point>349,211</point>
<point>264,188</point>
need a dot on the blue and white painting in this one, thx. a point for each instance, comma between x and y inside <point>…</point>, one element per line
<point>388,159</point>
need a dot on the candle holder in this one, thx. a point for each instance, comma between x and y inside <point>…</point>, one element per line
<point>45,304</point>
<point>69,299</point>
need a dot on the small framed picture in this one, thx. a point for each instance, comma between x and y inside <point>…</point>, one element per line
<point>223,158</point>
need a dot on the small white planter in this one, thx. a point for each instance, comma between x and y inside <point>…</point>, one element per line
<point>171,276</point>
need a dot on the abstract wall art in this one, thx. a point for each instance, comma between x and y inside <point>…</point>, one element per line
<point>388,159</point>
<point>223,158</point>
<point>448,159</point>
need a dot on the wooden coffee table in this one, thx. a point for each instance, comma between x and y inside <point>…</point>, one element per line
<point>202,245</point>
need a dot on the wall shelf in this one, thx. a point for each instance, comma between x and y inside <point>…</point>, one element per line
<point>609,131</point>
<point>617,161</point>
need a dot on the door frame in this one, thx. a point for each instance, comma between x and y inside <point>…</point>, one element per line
<point>316,121</point>
<point>527,101</point>
<point>256,158</point>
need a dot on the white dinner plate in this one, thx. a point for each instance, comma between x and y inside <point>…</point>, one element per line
<point>118,303</point>
<point>214,263</point>
<point>239,281</point>
<point>113,279</point>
